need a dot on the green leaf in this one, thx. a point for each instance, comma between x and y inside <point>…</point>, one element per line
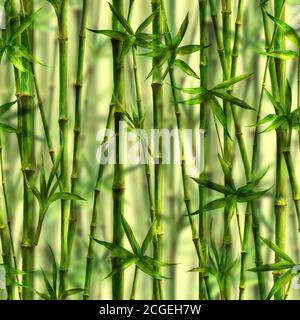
<point>254,182</point>
<point>186,68</point>
<point>54,269</point>
<point>204,271</point>
<point>121,19</point>
<point>277,250</point>
<point>188,49</point>
<point>288,96</point>
<point>156,263</point>
<point>48,286</point>
<point>147,22</point>
<point>281,282</point>
<point>26,23</point>
<point>63,196</point>
<point>116,251</point>
<point>149,237</point>
<point>282,265</point>
<point>214,186</point>
<point>278,122</point>
<point>203,97</point>
<point>7,128</point>
<point>228,83</point>
<point>266,119</point>
<point>124,264</point>
<point>246,197</point>
<point>43,295</point>
<point>148,269</point>
<point>70,292</point>
<point>127,45</point>
<point>130,236</point>
<point>43,184</point>
<point>218,111</point>
<point>227,171</point>
<point>196,91</point>
<point>287,30</point>
<point>213,205</point>
<point>229,98</point>
<point>5,107</point>
<point>117,35</point>
<point>54,169</point>
<point>181,33</point>
<point>281,54</point>
<point>13,58</point>
<point>276,104</point>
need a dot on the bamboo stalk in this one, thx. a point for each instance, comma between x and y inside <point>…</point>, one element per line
<point>119,178</point>
<point>62,17</point>
<point>157,94</point>
<point>74,206</point>
<point>28,165</point>
<point>280,197</point>
<point>204,123</point>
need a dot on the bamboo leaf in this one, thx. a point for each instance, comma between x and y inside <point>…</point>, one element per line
<point>282,265</point>
<point>287,30</point>
<point>214,186</point>
<point>48,286</point>
<point>246,197</point>
<point>219,113</point>
<point>27,22</point>
<point>280,283</point>
<point>229,98</point>
<point>182,31</point>
<point>276,104</point>
<point>124,264</point>
<point>228,83</point>
<point>186,68</point>
<point>7,128</point>
<point>278,122</point>
<point>188,49</point>
<point>281,54</point>
<point>147,22</point>
<point>277,250</point>
<point>121,19</point>
<point>6,107</point>
<point>70,292</point>
<point>149,237</point>
<point>213,205</point>
<point>148,269</point>
<point>266,119</point>
<point>117,35</point>
<point>116,251</point>
<point>130,236</point>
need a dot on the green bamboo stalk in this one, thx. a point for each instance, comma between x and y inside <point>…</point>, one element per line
<point>269,66</point>
<point>7,255</point>
<point>147,168</point>
<point>28,164</point>
<point>62,18</point>
<point>74,206</point>
<point>8,219</point>
<point>96,209</point>
<point>119,178</point>
<point>280,197</point>
<point>224,50</point>
<point>204,121</point>
<point>157,93</point>
<point>228,145</point>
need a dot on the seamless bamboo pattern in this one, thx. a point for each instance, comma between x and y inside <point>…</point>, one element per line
<point>78,77</point>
